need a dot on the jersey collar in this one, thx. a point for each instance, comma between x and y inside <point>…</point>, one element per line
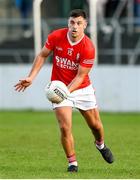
<point>73,43</point>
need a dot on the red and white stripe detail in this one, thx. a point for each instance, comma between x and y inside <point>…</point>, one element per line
<point>88,61</point>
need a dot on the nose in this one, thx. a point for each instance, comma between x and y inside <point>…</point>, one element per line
<point>75,26</point>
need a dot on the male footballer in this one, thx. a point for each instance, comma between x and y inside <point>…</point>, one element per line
<point>73,58</point>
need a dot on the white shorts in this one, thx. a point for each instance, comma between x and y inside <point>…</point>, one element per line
<point>82,99</point>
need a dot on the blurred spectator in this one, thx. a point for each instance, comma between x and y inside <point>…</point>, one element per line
<point>111,6</point>
<point>25,7</point>
<point>101,5</point>
<point>101,9</point>
<point>137,14</point>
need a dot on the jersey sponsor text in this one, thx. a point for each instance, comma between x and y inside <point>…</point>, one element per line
<point>66,63</point>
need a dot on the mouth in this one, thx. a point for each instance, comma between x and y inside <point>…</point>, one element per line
<point>74,31</point>
<point>74,34</point>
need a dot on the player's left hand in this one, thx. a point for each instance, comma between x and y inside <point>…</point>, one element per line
<point>23,84</point>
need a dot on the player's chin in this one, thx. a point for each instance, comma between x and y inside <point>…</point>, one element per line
<point>74,35</point>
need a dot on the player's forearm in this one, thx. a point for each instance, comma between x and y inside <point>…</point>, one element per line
<point>76,82</point>
<point>79,78</point>
<point>38,63</point>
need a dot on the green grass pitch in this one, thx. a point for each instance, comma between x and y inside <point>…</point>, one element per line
<point>30,147</point>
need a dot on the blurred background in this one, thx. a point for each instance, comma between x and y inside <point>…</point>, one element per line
<point>116,73</point>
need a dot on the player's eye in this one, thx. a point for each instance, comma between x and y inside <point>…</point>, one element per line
<point>72,22</point>
<point>79,23</point>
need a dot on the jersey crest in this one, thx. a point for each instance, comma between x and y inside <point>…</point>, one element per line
<point>70,51</point>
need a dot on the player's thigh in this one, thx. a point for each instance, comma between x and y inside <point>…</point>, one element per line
<point>64,116</point>
<point>92,117</point>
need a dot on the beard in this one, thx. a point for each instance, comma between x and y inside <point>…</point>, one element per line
<point>74,34</point>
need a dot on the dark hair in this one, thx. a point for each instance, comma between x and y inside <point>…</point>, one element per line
<point>78,12</point>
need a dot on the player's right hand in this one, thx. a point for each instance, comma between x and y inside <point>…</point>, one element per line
<point>23,84</point>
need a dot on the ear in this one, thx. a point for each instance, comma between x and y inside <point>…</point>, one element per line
<point>85,25</point>
<point>68,23</point>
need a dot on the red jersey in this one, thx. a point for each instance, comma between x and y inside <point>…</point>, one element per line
<point>68,55</point>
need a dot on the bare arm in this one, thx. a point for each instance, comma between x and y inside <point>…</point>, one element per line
<point>77,81</point>
<point>38,63</point>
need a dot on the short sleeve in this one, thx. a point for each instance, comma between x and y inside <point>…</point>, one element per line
<point>50,42</point>
<point>88,56</point>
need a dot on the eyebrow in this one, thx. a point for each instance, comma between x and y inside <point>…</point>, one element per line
<point>75,22</point>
